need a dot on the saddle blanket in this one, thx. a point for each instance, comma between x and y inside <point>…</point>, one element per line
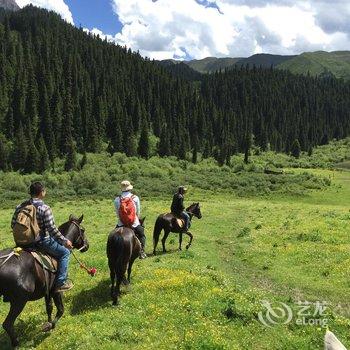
<point>45,260</point>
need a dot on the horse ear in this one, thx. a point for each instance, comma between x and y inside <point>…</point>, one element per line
<point>70,217</point>
<point>81,218</point>
<point>143,219</point>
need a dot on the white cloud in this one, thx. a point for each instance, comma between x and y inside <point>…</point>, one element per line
<point>58,6</point>
<point>166,28</point>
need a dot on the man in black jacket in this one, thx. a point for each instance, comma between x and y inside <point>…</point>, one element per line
<point>178,208</point>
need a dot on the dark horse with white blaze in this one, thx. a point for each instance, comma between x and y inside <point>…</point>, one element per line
<point>23,279</point>
<point>168,223</point>
<point>123,247</point>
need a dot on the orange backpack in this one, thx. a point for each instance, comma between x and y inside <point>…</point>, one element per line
<point>127,211</point>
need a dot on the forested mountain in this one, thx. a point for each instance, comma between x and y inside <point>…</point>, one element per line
<point>212,64</point>
<point>319,63</point>
<point>181,70</point>
<point>62,90</point>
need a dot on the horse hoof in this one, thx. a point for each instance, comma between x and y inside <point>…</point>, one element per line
<point>47,327</point>
<point>115,303</point>
<point>187,247</point>
<point>15,343</point>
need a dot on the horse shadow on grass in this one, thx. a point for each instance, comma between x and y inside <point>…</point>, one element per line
<point>92,299</point>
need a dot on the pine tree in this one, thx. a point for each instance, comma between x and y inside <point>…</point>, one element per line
<point>32,164</point>
<point>4,154</point>
<point>164,143</point>
<point>44,163</point>
<point>295,149</point>
<point>310,151</point>
<point>83,161</point>
<point>20,150</point>
<point>71,157</point>
<point>143,147</point>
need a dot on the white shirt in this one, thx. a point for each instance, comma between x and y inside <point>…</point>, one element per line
<point>137,204</point>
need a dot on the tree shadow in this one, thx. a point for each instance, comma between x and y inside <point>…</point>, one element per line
<point>92,299</point>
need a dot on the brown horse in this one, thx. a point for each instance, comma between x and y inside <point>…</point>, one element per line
<point>168,223</point>
<point>123,247</point>
<point>23,279</point>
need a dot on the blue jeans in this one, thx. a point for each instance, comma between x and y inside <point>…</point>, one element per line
<point>186,217</point>
<point>52,247</point>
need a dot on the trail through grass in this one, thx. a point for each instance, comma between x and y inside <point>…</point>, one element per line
<point>282,249</point>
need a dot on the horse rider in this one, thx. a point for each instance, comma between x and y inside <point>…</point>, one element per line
<point>139,230</point>
<point>178,208</point>
<point>49,240</point>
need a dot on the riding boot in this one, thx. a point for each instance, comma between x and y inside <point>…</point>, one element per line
<point>143,255</point>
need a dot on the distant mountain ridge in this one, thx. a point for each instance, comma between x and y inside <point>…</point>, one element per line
<point>9,5</point>
<point>319,63</point>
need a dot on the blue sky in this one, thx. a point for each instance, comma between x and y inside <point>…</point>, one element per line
<point>95,14</point>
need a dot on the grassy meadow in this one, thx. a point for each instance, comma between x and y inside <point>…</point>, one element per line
<point>288,245</point>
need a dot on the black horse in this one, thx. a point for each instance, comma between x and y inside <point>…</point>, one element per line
<point>123,247</point>
<point>23,279</point>
<point>168,223</point>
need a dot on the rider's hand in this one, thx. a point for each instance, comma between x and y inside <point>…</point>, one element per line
<point>68,244</point>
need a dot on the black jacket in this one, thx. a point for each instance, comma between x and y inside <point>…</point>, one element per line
<point>177,206</point>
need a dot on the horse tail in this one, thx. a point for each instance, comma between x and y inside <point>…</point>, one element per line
<point>117,246</point>
<point>157,230</point>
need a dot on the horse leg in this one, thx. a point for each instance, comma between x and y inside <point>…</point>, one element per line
<point>156,235</point>
<point>180,241</point>
<point>49,307</point>
<point>8,325</point>
<point>58,300</point>
<point>166,234</point>
<point>191,239</point>
<point>129,268</point>
<point>116,292</point>
<point>112,275</point>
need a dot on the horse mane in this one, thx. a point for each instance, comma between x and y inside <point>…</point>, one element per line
<point>192,206</point>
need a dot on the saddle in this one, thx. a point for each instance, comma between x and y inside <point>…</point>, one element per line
<point>46,261</point>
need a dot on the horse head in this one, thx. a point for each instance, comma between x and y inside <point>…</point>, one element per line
<point>195,209</point>
<point>73,231</point>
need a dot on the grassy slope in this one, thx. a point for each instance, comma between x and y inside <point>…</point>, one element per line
<point>337,62</point>
<point>317,63</point>
<point>212,64</point>
<point>289,249</point>
<point>264,60</point>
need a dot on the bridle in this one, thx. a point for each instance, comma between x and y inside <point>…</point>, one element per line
<point>192,210</point>
<point>81,230</point>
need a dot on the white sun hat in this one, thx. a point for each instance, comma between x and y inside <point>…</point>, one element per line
<point>126,186</point>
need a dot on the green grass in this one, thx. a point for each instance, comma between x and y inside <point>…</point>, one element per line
<point>283,249</point>
<point>319,62</point>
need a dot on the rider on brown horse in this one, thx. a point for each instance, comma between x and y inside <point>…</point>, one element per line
<point>126,195</point>
<point>49,240</point>
<point>178,208</point>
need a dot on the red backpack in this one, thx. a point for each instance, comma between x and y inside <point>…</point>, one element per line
<point>127,211</point>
